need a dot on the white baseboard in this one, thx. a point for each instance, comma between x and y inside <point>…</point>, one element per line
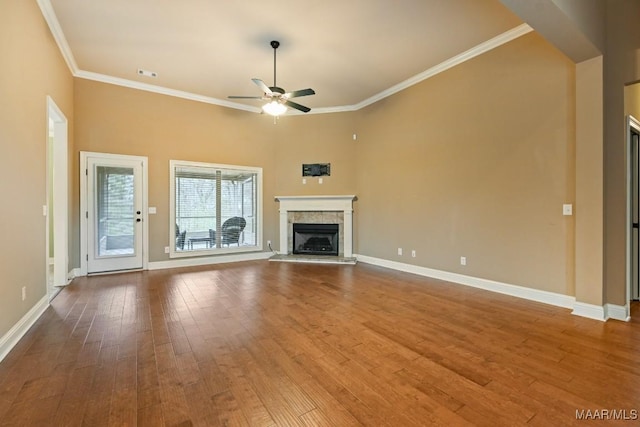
<point>11,338</point>
<point>617,312</point>
<point>546,297</point>
<point>592,311</point>
<point>198,261</point>
<point>73,274</point>
<point>602,313</point>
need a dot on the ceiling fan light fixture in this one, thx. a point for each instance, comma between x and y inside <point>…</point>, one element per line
<point>274,108</point>
<point>279,99</point>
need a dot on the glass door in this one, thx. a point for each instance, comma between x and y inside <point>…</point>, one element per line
<point>114,214</point>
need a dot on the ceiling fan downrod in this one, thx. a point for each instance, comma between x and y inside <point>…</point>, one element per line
<point>274,44</point>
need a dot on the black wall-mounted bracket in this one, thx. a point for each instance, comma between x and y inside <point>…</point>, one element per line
<point>316,169</point>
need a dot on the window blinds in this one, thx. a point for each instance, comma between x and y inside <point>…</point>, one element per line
<point>208,196</point>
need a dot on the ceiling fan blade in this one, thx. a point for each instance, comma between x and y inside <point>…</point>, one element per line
<point>302,92</point>
<point>263,86</point>
<point>244,97</point>
<point>297,106</point>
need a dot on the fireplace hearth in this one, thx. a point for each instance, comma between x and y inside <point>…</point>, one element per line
<point>315,239</point>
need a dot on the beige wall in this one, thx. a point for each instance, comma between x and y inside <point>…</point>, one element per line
<point>32,68</point>
<point>112,119</point>
<point>476,162</point>
<point>611,27</point>
<point>632,100</point>
<point>589,209</point>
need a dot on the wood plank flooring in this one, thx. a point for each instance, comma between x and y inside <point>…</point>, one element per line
<point>282,344</point>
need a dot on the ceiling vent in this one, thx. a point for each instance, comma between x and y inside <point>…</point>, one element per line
<point>147,73</point>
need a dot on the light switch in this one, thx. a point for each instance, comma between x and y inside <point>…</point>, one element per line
<point>319,180</point>
<point>304,180</point>
<point>567,209</point>
<point>152,210</point>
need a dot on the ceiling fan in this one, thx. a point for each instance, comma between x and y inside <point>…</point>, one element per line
<point>278,99</point>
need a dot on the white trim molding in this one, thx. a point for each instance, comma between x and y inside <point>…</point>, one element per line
<point>484,47</point>
<point>11,338</point>
<point>75,272</point>
<point>212,170</point>
<point>210,260</point>
<point>85,156</point>
<point>56,30</point>
<point>164,91</point>
<point>537,295</point>
<point>342,204</point>
<point>617,312</point>
<point>591,311</point>
<point>602,312</point>
<point>631,124</point>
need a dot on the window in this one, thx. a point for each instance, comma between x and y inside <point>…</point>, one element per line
<point>214,208</point>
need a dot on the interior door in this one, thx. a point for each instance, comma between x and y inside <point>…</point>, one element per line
<point>114,214</point>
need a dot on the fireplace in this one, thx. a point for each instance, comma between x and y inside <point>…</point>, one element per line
<point>334,212</point>
<point>315,239</point>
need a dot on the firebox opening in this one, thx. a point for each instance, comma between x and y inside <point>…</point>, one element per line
<point>315,239</point>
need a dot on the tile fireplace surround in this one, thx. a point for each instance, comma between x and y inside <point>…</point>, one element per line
<point>317,207</point>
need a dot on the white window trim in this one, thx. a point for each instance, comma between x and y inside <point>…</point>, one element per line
<point>172,211</point>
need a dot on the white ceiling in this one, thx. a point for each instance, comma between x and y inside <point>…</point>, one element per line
<point>351,52</point>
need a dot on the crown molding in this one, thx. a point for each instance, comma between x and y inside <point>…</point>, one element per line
<point>163,90</point>
<point>484,47</point>
<point>54,26</point>
<point>339,109</point>
<point>56,30</point>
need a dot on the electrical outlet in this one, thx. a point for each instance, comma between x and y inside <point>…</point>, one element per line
<point>24,293</point>
<point>399,251</point>
<point>304,180</point>
<point>413,253</point>
<point>463,260</point>
<point>320,181</point>
<point>268,243</point>
<point>166,249</point>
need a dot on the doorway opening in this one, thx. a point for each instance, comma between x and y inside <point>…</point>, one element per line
<point>57,236</point>
<point>633,211</point>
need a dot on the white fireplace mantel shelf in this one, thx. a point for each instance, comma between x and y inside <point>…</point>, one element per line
<point>342,203</point>
<point>316,203</point>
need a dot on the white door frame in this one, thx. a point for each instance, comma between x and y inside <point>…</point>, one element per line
<point>84,155</point>
<point>632,123</point>
<point>57,152</point>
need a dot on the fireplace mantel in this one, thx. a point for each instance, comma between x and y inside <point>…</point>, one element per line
<point>343,203</point>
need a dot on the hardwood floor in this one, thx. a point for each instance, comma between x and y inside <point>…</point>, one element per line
<point>282,344</point>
